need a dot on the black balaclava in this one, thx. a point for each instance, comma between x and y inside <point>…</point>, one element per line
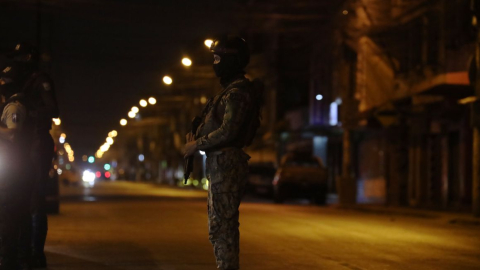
<point>228,69</point>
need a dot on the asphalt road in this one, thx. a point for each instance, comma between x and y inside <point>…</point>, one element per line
<point>139,226</point>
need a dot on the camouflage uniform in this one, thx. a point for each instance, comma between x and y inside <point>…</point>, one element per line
<point>220,136</point>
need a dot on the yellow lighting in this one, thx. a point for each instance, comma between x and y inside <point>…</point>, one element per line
<point>123,122</point>
<point>63,135</point>
<point>109,140</point>
<point>468,100</point>
<point>135,109</point>
<point>186,62</point>
<point>84,158</point>
<point>57,121</point>
<point>203,100</point>
<point>208,43</point>
<point>345,12</point>
<point>114,133</point>
<point>99,154</point>
<point>71,159</point>
<point>152,100</point>
<point>167,80</point>
<point>105,147</point>
<point>131,114</point>
<point>143,103</point>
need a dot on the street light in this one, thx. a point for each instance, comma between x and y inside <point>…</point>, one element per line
<point>114,133</point>
<point>135,109</point>
<point>123,122</point>
<point>186,61</point>
<point>109,140</point>
<point>152,100</point>
<point>131,114</point>
<point>319,97</point>
<point>57,121</point>
<point>208,43</point>
<point>105,147</point>
<point>143,103</point>
<point>167,80</point>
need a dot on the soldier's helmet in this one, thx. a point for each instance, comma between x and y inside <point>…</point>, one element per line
<point>232,45</point>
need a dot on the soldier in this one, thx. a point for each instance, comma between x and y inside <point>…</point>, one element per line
<point>229,122</point>
<point>15,181</point>
<point>42,105</point>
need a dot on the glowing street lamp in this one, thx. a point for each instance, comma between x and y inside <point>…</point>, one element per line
<point>135,109</point>
<point>114,133</point>
<point>167,80</point>
<point>131,114</point>
<point>186,61</point>
<point>104,148</point>
<point>57,121</point>
<point>143,103</point>
<point>152,101</point>
<point>109,140</point>
<point>208,43</point>
<point>123,122</point>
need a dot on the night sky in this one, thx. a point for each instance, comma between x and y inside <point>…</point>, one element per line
<point>107,55</point>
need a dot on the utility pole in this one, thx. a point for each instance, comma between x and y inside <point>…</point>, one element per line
<point>476,118</point>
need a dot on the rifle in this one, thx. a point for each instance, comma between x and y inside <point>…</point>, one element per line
<point>189,161</point>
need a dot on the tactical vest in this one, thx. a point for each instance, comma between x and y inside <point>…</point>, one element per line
<point>212,115</point>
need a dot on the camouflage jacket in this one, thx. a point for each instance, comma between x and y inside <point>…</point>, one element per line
<point>224,117</point>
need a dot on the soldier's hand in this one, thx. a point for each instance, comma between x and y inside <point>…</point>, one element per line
<point>190,137</point>
<point>190,149</point>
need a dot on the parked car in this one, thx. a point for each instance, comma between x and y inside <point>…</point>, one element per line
<point>52,193</point>
<point>300,176</point>
<point>260,178</point>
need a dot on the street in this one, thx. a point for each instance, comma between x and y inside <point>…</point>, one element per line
<point>122,225</point>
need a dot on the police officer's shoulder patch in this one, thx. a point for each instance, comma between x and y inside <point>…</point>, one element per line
<point>46,86</point>
<point>15,118</point>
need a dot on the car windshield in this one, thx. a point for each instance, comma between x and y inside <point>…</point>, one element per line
<point>302,162</point>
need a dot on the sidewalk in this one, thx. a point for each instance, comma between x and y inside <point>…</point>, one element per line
<point>443,216</point>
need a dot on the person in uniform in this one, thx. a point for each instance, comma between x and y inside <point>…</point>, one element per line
<point>228,122</point>
<point>15,181</point>
<point>42,104</point>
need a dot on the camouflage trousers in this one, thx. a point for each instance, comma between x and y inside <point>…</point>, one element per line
<point>227,172</point>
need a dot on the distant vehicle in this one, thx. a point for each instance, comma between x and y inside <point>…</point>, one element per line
<point>71,177</point>
<point>300,176</point>
<point>52,192</point>
<point>260,178</point>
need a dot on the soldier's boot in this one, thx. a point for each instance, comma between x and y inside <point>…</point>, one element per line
<point>39,236</point>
